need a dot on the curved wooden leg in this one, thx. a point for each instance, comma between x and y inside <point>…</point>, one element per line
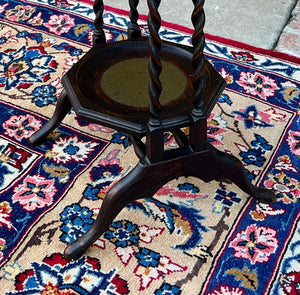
<point>145,179</point>
<point>222,165</point>
<point>63,106</point>
<point>142,182</point>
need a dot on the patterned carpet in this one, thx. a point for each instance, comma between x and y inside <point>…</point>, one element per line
<point>191,237</point>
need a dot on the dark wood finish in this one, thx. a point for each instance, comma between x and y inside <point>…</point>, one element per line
<point>145,179</point>
<point>134,31</point>
<point>85,88</point>
<point>63,106</point>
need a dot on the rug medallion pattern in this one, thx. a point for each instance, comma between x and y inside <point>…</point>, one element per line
<point>191,237</point>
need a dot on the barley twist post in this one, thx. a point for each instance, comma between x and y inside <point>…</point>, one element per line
<point>198,61</point>
<point>99,35</point>
<point>134,30</point>
<point>154,134</point>
<point>155,66</point>
<point>198,137</point>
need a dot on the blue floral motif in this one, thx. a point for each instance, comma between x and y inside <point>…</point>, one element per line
<point>188,187</point>
<point>251,175</point>
<point>148,258</point>
<point>121,138</point>
<point>83,276</point>
<point>225,199</point>
<point>44,95</point>
<point>167,289</point>
<point>69,48</point>
<point>261,144</point>
<point>20,68</point>
<point>76,221</point>
<point>123,233</point>
<point>91,191</point>
<point>252,118</point>
<point>224,98</point>
<point>253,156</point>
<point>100,171</point>
<point>106,173</point>
<point>3,40</point>
<point>33,36</point>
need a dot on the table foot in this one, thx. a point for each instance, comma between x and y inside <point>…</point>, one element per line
<point>145,179</point>
<point>63,106</point>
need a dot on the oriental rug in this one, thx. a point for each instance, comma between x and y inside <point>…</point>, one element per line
<point>191,237</point>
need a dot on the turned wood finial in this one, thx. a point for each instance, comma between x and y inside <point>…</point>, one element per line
<point>198,61</point>
<point>134,30</point>
<point>99,35</point>
<point>155,66</point>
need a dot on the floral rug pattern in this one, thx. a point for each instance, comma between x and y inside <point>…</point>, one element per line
<point>191,237</point>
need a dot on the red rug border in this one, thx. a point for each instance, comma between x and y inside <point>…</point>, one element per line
<point>225,41</point>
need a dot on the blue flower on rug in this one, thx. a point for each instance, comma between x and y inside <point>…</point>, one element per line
<point>33,36</point>
<point>21,68</point>
<point>55,275</point>
<point>147,257</point>
<point>123,233</point>
<point>44,95</point>
<point>252,117</point>
<point>261,144</point>
<point>253,156</point>
<point>121,138</point>
<point>224,98</point>
<point>76,221</point>
<point>167,289</point>
<point>103,176</point>
<point>224,199</point>
<point>71,49</point>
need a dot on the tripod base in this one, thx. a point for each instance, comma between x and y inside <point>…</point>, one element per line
<point>145,179</point>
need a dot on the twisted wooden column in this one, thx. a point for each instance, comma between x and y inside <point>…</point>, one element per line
<point>198,135</point>
<point>198,61</point>
<point>155,66</point>
<point>99,35</point>
<point>133,30</point>
<point>154,134</point>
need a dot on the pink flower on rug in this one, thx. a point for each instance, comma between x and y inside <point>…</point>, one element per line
<point>60,24</point>
<point>287,189</point>
<point>20,13</point>
<point>256,243</point>
<point>293,141</point>
<point>257,84</point>
<point>21,126</point>
<point>35,192</point>
<point>5,215</point>
<point>226,290</point>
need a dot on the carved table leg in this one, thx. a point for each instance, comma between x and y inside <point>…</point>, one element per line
<point>142,182</point>
<point>145,179</point>
<point>63,106</point>
<point>220,165</point>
